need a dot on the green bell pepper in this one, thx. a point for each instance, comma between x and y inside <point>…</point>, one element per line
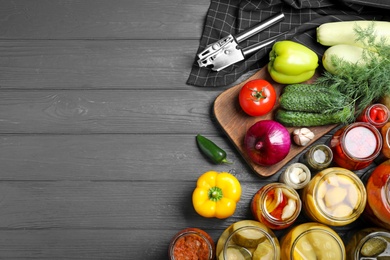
<point>291,62</point>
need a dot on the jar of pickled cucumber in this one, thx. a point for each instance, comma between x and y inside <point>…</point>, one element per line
<point>334,196</point>
<point>378,196</point>
<point>312,241</point>
<point>277,205</point>
<point>369,243</point>
<point>248,240</point>
<point>191,243</point>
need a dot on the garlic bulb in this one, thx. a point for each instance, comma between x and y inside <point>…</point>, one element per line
<point>302,136</point>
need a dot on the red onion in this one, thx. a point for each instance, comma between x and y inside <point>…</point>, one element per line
<point>267,142</point>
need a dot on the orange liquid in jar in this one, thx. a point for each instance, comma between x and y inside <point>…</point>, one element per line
<point>356,145</point>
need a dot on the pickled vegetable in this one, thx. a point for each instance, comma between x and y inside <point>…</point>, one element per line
<point>374,246</point>
<point>247,237</point>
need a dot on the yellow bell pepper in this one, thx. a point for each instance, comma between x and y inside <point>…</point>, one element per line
<point>216,194</point>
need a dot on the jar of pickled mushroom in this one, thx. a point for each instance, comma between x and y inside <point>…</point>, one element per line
<point>355,146</point>
<point>375,114</point>
<point>312,241</point>
<point>277,205</point>
<point>334,196</point>
<point>378,196</point>
<point>369,243</point>
<point>318,157</point>
<point>191,243</point>
<point>249,240</point>
<point>297,176</point>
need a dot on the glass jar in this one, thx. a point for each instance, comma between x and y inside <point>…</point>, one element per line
<point>318,157</point>
<point>369,242</point>
<point>312,241</point>
<point>378,196</point>
<point>375,114</point>
<point>355,146</point>
<point>191,243</point>
<point>297,176</point>
<point>385,132</point>
<point>334,196</point>
<point>248,239</point>
<point>277,205</point>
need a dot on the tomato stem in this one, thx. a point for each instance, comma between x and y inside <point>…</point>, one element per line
<point>258,94</point>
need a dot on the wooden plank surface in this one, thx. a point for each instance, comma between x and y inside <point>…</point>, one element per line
<point>97,129</point>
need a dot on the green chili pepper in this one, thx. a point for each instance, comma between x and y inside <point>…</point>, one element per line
<point>211,150</point>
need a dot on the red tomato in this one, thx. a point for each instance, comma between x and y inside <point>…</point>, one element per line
<point>257,97</point>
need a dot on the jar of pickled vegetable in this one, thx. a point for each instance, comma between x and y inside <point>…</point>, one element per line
<point>249,240</point>
<point>378,196</point>
<point>369,243</point>
<point>375,114</point>
<point>297,176</point>
<point>334,196</point>
<point>318,157</point>
<point>385,132</point>
<point>277,205</point>
<point>355,146</point>
<point>312,241</point>
<point>191,243</point>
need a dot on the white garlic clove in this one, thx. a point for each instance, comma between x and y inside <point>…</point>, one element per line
<point>302,136</point>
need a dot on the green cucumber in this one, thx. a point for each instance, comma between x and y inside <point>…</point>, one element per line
<point>307,119</point>
<point>309,101</point>
<point>304,88</point>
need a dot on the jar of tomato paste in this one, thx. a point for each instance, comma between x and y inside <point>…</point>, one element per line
<point>312,241</point>
<point>191,243</point>
<point>277,205</point>
<point>355,146</point>
<point>369,243</point>
<point>376,115</point>
<point>378,196</point>
<point>334,197</point>
<point>248,239</point>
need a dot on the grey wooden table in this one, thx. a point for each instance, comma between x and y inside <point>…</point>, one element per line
<point>97,129</point>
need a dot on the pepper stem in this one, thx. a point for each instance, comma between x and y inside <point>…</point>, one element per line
<point>215,194</point>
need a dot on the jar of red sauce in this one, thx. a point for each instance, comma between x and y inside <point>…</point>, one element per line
<point>375,114</point>
<point>191,243</point>
<point>277,205</point>
<point>355,146</point>
<point>378,196</point>
<point>385,131</point>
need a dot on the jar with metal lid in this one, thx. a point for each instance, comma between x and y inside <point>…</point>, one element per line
<point>191,243</point>
<point>378,196</point>
<point>369,243</point>
<point>297,176</point>
<point>318,157</point>
<point>334,196</point>
<point>312,241</point>
<point>355,146</point>
<point>248,239</point>
<point>375,114</point>
<point>277,205</point>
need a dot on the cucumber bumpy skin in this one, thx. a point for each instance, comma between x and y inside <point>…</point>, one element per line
<point>307,119</point>
<point>313,101</point>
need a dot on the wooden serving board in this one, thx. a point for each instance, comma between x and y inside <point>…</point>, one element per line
<point>235,122</point>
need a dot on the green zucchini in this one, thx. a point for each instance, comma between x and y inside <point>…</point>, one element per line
<point>307,119</point>
<point>312,100</point>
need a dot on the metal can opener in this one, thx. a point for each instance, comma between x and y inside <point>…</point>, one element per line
<point>226,51</point>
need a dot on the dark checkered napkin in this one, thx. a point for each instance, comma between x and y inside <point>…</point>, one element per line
<point>302,17</point>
